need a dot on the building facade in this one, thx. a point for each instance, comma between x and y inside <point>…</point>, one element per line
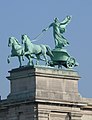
<point>44,93</point>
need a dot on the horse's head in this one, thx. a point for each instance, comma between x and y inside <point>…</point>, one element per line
<point>12,41</point>
<point>25,38</point>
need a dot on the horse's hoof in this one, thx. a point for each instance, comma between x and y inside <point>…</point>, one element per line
<point>37,63</point>
<point>8,61</point>
<point>20,66</point>
<point>30,64</point>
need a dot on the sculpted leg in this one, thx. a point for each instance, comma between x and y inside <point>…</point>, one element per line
<point>46,60</point>
<point>30,60</point>
<point>37,60</point>
<point>8,59</point>
<point>19,57</point>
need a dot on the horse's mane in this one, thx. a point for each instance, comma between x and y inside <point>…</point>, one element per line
<point>15,40</point>
<point>27,37</point>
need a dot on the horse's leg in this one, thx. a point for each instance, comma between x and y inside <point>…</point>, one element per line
<point>22,58</point>
<point>44,49</point>
<point>22,54</point>
<point>27,53</point>
<point>19,57</point>
<point>8,59</point>
<point>30,60</point>
<point>45,57</point>
<point>37,60</point>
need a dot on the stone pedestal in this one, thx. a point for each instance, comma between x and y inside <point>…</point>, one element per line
<point>43,93</point>
<point>44,84</point>
<point>48,93</point>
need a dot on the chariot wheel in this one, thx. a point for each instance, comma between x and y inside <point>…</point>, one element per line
<point>70,63</point>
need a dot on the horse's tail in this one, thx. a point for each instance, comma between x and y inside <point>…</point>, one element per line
<point>49,52</point>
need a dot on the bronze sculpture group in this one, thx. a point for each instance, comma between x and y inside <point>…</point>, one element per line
<point>58,56</point>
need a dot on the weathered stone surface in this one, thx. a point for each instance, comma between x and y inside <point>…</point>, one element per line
<point>44,83</point>
<point>41,93</point>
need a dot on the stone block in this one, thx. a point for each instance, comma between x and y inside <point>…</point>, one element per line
<point>44,83</point>
<point>44,93</point>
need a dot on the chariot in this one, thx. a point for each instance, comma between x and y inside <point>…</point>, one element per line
<point>62,58</point>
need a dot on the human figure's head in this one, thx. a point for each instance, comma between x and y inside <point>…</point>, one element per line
<point>56,20</point>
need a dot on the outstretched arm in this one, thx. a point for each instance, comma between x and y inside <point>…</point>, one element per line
<point>47,27</point>
<point>66,20</point>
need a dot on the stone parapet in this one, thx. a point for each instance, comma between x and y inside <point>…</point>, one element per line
<point>44,83</point>
<point>44,93</point>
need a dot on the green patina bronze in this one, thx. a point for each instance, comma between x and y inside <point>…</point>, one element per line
<point>58,56</point>
<point>28,50</point>
<point>17,49</point>
<point>37,50</point>
<point>58,29</point>
<point>62,58</point>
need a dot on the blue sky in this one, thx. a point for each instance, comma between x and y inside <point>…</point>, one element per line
<point>29,17</point>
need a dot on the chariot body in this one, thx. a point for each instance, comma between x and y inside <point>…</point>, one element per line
<point>62,58</point>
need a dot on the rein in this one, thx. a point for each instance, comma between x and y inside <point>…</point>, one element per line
<point>36,38</point>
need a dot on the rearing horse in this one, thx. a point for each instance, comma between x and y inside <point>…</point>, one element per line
<point>38,50</point>
<point>17,49</point>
